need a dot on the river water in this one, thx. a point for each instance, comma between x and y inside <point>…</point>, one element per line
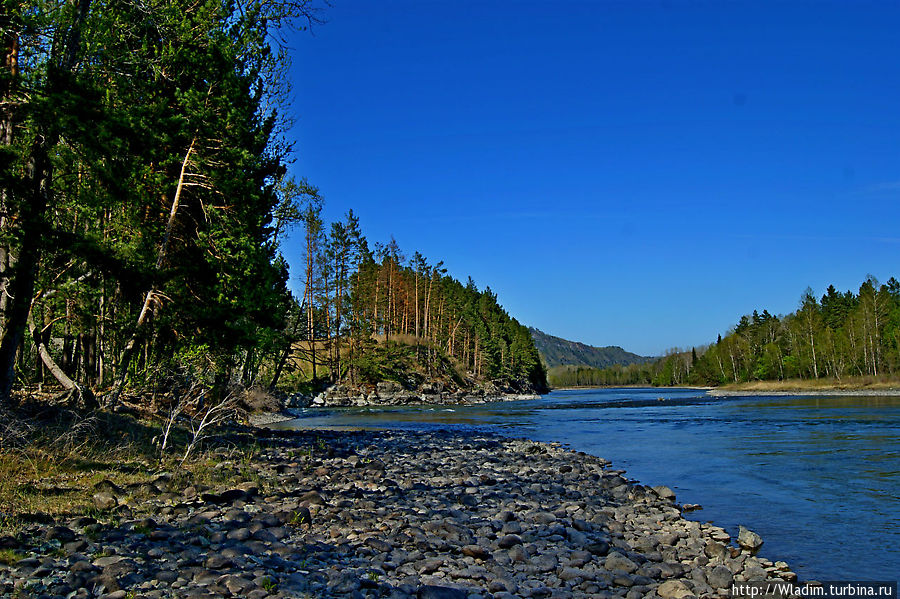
<point>817,477</point>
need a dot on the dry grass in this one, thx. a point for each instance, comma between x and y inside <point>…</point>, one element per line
<point>10,557</point>
<point>257,399</point>
<point>49,468</point>
<point>860,383</point>
<point>300,359</point>
<point>40,485</point>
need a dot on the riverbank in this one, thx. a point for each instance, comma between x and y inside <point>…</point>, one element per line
<point>853,386</point>
<point>848,388</point>
<point>889,392</point>
<point>381,514</point>
<point>589,387</point>
<point>391,393</point>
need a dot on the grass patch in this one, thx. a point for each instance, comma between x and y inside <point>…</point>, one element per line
<point>50,471</point>
<point>855,383</point>
<point>49,468</point>
<point>269,585</point>
<point>10,557</point>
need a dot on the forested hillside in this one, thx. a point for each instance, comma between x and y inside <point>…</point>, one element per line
<point>557,351</point>
<point>839,336</point>
<point>373,314</point>
<point>144,201</point>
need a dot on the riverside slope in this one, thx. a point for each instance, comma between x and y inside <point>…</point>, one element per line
<point>391,393</point>
<point>393,514</point>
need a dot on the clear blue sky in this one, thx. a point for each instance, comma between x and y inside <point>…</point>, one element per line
<point>620,173</point>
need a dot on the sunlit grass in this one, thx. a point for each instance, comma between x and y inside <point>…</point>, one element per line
<point>846,383</point>
<point>51,472</point>
<point>10,557</point>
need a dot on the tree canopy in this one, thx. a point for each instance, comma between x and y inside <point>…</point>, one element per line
<point>835,336</point>
<point>144,201</point>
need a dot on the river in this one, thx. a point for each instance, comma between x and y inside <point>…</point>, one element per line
<point>817,477</point>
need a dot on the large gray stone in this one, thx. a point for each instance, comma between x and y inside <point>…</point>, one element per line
<point>387,388</point>
<point>508,541</point>
<point>717,551</point>
<point>571,574</point>
<point>749,540</point>
<point>719,577</point>
<point>217,562</point>
<point>673,589</point>
<point>105,500</point>
<point>545,563</point>
<point>430,591</point>
<point>63,534</point>
<point>664,493</point>
<point>617,561</point>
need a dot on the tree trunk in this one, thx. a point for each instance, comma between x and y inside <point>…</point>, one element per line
<point>19,281</point>
<point>375,303</point>
<point>417,309</point>
<point>326,301</point>
<point>151,298</point>
<point>22,280</point>
<point>733,365</point>
<point>390,300</point>
<point>101,326</point>
<point>309,291</point>
<point>282,361</point>
<point>338,307</point>
<point>80,394</point>
<point>46,359</point>
<point>721,368</point>
<point>812,344</point>
<point>11,65</point>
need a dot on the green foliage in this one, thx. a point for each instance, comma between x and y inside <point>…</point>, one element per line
<point>614,376</point>
<point>145,171</point>
<point>401,362</point>
<point>142,529</point>
<point>269,585</point>
<point>10,557</point>
<point>391,361</point>
<point>373,316</point>
<point>155,139</point>
<point>842,335</point>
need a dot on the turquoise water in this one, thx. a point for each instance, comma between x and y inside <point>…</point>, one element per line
<point>817,477</point>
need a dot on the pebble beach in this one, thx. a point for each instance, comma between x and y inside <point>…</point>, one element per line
<point>390,514</point>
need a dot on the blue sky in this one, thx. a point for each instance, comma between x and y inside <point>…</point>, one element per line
<point>619,173</point>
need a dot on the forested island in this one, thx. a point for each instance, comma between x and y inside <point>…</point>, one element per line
<point>843,339</point>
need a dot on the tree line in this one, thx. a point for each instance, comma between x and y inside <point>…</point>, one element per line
<point>362,304</point>
<point>840,335</point>
<point>144,201</point>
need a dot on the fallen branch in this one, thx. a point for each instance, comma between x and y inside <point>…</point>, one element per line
<point>213,416</point>
<point>74,393</point>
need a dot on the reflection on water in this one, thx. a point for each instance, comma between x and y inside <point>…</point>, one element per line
<point>817,477</point>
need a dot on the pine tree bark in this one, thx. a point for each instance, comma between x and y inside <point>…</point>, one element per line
<point>11,65</point>
<point>19,280</point>
<point>151,298</point>
<point>285,354</point>
<point>23,275</point>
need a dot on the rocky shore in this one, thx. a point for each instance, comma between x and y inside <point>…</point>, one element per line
<point>391,393</point>
<point>387,514</point>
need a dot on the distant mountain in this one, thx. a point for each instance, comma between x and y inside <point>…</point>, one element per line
<point>556,351</point>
